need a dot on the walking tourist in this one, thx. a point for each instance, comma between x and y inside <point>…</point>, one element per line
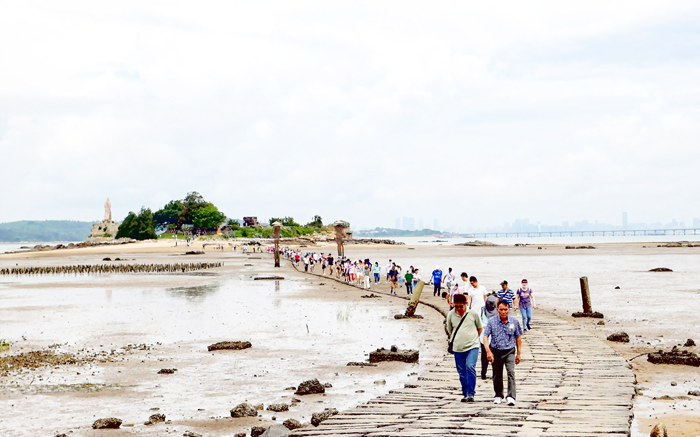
<point>449,279</point>
<point>437,279</point>
<point>488,311</point>
<point>506,294</point>
<point>525,301</point>
<point>408,277</point>
<point>388,269</point>
<point>393,277</point>
<point>503,344</point>
<point>463,328</point>
<point>377,270</point>
<point>477,294</point>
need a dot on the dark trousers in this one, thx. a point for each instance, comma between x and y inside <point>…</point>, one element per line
<point>436,289</point>
<point>484,362</point>
<point>503,358</point>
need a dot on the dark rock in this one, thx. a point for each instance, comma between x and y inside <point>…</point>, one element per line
<point>244,410</point>
<point>155,418</point>
<point>407,385</point>
<point>406,356</point>
<point>370,296</point>
<point>661,269</point>
<point>674,383</point>
<point>617,287</point>
<point>689,343</point>
<point>292,424</point>
<point>278,407</point>
<point>676,356</point>
<point>593,315</point>
<point>580,247</point>
<point>107,259</point>
<point>317,418</point>
<point>621,337</point>
<point>359,364</point>
<point>600,322</point>
<point>193,434</point>
<point>310,387</point>
<point>240,434</point>
<point>229,345</point>
<point>694,393</point>
<point>659,430</point>
<point>257,431</point>
<point>107,423</point>
<point>403,316</point>
<point>61,435</point>
<point>166,371</point>
<point>195,252</point>
<point>328,385</point>
<point>268,278</point>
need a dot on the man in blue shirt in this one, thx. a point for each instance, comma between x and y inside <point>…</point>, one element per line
<point>437,280</point>
<point>503,333</point>
<point>506,294</point>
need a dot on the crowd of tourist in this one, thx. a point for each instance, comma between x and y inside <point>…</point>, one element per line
<point>479,322</point>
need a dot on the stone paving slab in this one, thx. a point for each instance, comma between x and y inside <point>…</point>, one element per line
<point>569,383</point>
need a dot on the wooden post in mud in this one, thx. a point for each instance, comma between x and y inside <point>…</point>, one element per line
<point>415,298</point>
<point>277,226</point>
<point>586,295</point>
<point>339,234</point>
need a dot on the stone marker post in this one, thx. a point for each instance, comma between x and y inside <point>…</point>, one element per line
<point>278,228</point>
<point>339,234</point>
<point>415,297</point>
<point>586,295</point>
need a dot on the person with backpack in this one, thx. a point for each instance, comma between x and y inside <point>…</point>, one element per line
<point>463,329</point>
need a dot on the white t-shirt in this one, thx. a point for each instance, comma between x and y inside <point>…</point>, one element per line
<point>477,295</point>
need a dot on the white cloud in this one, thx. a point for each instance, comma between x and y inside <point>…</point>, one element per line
<point>362,111</point>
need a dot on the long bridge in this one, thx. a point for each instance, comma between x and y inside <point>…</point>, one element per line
<point>610,233</point>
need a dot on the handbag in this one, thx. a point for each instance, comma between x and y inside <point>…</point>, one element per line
<point>449,344</point>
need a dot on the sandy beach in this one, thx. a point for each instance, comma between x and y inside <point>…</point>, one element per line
<point>176,316</point>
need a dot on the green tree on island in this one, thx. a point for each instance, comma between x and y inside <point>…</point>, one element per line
<point>317,222</point>
<point>192,210</point>
<point>208,217</point>
<point>139,226</point>
<point>286,221</point>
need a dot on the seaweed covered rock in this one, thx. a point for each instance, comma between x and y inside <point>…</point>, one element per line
<point>155,418</point>
<point>675,356</point>
<point>229,345</point>
<point>244,410</point>
<point>107,423</point>
<point>292,424</point>
<point>310,387</point>
<point>394,354</point>
<point>621,337</point>
<point>317,418</point>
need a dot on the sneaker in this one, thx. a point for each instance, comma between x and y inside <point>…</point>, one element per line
<point>497,400</point>
<point>465,399</point>
<point>470,399</point>
<point>511,401</point>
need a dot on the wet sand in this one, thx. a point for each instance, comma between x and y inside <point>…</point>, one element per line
<point>643,307</point>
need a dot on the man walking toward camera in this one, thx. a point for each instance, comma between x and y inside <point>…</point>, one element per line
<point>503,344</point>
<point>464,328</point>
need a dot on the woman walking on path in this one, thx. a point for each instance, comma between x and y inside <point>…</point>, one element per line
<point>464,328</point>
<point>525,300</point>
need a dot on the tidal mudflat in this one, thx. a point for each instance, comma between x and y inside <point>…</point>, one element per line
<point>123,329</point>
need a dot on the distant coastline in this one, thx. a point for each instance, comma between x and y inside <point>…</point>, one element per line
<point>35,231</point>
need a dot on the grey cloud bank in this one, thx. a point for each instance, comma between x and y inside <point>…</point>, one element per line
<point>471,114</point>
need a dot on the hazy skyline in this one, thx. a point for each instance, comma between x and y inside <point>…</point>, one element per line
<point>473,114</point>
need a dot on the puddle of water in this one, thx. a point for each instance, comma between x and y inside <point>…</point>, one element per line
<point>295,337</point>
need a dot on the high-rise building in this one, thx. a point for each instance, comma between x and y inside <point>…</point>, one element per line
<point>411,224</point>
<point>624,220</point>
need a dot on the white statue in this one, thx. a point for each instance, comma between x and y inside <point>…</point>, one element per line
<point>108,210</point>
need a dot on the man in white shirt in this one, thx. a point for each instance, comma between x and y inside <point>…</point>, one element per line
<point>477,295</point>
<point>388,269</point>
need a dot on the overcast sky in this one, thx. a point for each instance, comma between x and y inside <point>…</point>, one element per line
<point>474,113</point>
